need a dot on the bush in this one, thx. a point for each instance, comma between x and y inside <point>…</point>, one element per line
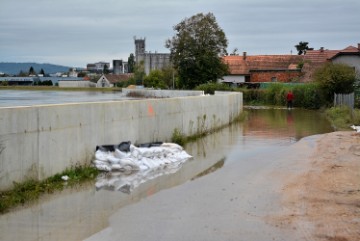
<point>308,96</point>
<point>210,88</point>
<point>335,78</point>
<point>343,117</point>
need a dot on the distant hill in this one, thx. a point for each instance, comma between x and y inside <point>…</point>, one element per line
<point>15,68</point>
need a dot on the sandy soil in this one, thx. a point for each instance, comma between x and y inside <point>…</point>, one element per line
<point>322,201</point>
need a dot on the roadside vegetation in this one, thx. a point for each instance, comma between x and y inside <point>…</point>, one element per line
<point>31,190</point>
<point>343,117</point>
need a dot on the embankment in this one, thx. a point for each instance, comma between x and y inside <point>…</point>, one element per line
<point>39,141</point>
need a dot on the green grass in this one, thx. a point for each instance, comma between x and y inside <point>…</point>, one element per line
<point>343,117</point>
<point>31,190</point>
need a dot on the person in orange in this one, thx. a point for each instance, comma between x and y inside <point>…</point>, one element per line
<point>289,99</point>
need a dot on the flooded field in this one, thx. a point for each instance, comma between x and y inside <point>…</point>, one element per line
<point>30,97</point>
<point>203,200</point>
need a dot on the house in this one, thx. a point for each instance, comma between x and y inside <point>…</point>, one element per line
<point>262,68</point>
<point>110,80</point>
<point>313,59</point>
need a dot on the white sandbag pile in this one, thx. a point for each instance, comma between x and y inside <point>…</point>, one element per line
<point>128,166</point>
<point>127,157</point>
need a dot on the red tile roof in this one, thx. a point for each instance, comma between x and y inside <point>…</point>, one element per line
<point>115,78</point>
<point>316,58</point>
<point>324,55</point>
<point>244,64</point>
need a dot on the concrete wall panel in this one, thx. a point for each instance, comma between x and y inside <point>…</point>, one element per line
<point>40,141</point>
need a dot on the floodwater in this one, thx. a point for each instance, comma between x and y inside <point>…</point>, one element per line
<point>218,195</point>
<point>10,98</point>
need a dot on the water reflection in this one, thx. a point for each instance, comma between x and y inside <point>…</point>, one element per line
<point>85,210</point>
<point>288,125</point>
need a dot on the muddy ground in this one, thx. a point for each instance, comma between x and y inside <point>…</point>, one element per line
<point>322,201</point>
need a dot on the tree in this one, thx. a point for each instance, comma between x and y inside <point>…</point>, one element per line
<point>139,73</point>
<point>234,52</point>
<point>131,63</point>
<point>42,72</point>
<point>32,71</point>
<point>302,47</point>
<point>155,79</point>
<point>106,69</point>
<point>335,78</point>
<point>196,50</point>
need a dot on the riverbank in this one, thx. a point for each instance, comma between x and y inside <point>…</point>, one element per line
<point>322,201</point>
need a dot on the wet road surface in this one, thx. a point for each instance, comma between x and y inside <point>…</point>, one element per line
<point>224,193</point>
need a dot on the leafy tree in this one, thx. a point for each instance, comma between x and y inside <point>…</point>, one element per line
<point>139,73</point>
<point>131,63</point>
<point>335,78</point>
<point>82,74</point>
<point>155,79</point>
<point>170,76</point>
<point>302,47</point>
<point>42,72</point>
<point>196,50</point>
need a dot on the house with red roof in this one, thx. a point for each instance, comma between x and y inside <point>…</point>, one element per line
<point>286,68</point>
<point>313,59</point>
<point>262,68</point>
<point>110,80</point>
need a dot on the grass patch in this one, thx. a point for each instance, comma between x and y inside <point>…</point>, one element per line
<point>31,190</point>
<point>343,117</point>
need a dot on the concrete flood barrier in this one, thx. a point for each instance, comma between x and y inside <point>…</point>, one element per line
<point>40,141</point>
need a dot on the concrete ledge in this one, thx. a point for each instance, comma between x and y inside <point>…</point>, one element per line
<point>39,141</point>
<point>148,93</point>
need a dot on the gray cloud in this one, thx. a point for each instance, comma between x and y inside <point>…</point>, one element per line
<point>76,32</point>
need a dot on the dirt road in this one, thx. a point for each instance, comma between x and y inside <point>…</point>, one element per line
<point>323,200</point>
<point>307,191</point>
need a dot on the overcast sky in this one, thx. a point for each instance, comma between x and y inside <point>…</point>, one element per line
<point>77,32</point>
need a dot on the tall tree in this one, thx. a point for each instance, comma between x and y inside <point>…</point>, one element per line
<point>302,47</point>
<point>42,72</point>
<point>106,69</point>
<point>196,50</point>
<point>131,63</point>
<point>32,71</point>
<point>139,73</point>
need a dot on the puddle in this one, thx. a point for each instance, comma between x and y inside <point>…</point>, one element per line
<point>84,211</point>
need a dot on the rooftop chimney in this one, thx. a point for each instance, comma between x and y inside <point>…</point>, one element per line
<point>322,49</point>
<point>244,55</point>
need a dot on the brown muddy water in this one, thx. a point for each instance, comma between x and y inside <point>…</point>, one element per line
<point>217,195</point>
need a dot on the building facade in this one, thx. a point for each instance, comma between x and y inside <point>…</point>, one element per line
<point>151,61</point>
<point>262,68</point>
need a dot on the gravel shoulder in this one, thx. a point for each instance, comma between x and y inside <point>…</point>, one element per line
<point>322,200</point>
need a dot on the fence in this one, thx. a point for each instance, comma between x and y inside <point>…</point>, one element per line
<point>344,99</point>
